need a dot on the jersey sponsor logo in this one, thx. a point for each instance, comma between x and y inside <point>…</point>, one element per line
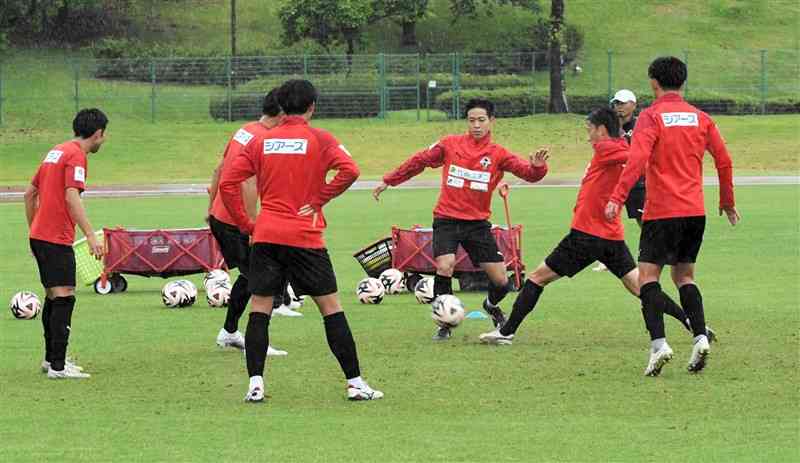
<point>243,136</point>
<point>472,175</point>
<point>486,162</point>
<point>680,119</point>
<point>285,146</point>
<point>53,156</point>
<point>80,174</point>
<point>479,186</point>
<point>455,182</point>
<point>341,147</point>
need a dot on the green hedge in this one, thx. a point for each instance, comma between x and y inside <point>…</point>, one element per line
<point>247,106</point>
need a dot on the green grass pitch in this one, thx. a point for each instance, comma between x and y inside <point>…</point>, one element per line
<point>569,389</point>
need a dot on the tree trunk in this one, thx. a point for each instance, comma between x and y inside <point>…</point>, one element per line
<point>409,38</point>
<point>558,99</point>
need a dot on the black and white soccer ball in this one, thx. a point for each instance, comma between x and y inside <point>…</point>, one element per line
<point>215,276</point>
<point>370,291</point>
<point>393,280</point>
<point>218,294</point>
<point>25,305</point>
<point>447,311</point>
<point>423,290</point>
<point>177,294</point>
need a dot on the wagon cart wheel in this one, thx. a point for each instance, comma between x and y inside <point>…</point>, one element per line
<point>99,288</point>
<point>118,283</point>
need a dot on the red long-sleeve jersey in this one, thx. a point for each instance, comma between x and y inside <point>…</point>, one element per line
<point>471,170</point>
<point>599,180</point>
<point>670,141</point>
<point>290,163</point>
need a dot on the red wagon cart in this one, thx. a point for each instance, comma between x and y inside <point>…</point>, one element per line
<point>162,253</point>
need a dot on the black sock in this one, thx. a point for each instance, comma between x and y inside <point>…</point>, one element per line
<point>672,309</point>
<point>442,285</point>
<point>46,311</point>
<point>497,293</point>
<point>256,340</point>
<point>653,302</point>
<point>237,303</point>
<point>692,302</point>
<point>61,313</point>
<point>525,303</point>
<point>341,342</point>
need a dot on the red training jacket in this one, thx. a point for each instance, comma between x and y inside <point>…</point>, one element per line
<point>471,171</point>
<point>670,141</point>
<point>290,163</point>
<point>597,184</point>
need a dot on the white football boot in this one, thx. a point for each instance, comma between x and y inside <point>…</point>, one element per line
<point>285,311</point>
<point>67,364</point>
<point>255,394</point>
<point>235,339</point>
<point>362,393</point>
<point>495,337</point>
<point>271,352</point>
<point>67,373</point>
<point>657,360</point>
<point>700,351</point>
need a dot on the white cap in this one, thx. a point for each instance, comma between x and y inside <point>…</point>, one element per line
<point>623,96</point>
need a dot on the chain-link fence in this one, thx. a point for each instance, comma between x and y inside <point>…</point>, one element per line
<point>37,93</point>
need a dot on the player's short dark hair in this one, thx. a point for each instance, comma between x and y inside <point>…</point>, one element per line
<point>89,121</point>
<point>271,107</point>
<point>607,118</point>
<point>668,71</point>
<point>487,105</point>
<point>296,96</point>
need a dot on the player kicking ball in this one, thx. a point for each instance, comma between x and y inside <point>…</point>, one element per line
<point>472,166</point>
<point>53,206</point>
<point>591,237</point>
<point>290,163</point>
<point>235,245</point>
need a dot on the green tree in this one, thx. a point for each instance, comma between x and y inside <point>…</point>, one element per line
<point>558,100</point>
<point>327,23</point>
<point>406,12</point>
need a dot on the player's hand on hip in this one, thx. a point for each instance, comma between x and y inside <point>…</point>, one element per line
<point>732,213</point>
<point>540,157</point>
<point>96,249</point>
<point>612,210</point>
<point>379,189</point>
<point>307,210</point>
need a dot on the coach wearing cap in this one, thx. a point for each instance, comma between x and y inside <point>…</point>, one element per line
<point>624,104</point>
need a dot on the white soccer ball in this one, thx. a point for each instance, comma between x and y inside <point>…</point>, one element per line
<point>215,276</point>
<point>190,288</point>
<point>393,280</point>
<point>177,294</point>
<point>25,305</point>
<point>217,294</point>
<point>423,290</point>
<point>447,311</point>
<point>296,301</point>
<point>370,291</point>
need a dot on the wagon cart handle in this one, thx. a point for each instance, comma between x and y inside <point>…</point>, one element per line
<point>503,190</point>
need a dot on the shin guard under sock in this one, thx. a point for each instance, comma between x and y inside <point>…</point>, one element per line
<point>341,342</point>
<point>525,303</point>
<point>256,340</point>
<point>60,315</point>
<point>497,293</point>
<point>237,303</point>
<point>692,302</point>
<point>46,311</point>
<point>442,285</point>
<point>653,301</point>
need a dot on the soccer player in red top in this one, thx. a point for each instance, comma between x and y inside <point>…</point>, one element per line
<point>472,166</point>
<point>290,163</point>
<point>591,238</point>
<point>53,206</point>
<point>671,138</point>
<point>234,244</point>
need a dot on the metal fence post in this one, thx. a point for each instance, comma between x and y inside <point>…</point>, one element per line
<point>533,82</point>
<point>1,93</point>
<point>428,85</point>
<point>419,94</point>
<point>229,88</point>
<point>763,81</point>
<point>610,73</point>
<point>305,66</point>
<point>152,91</point>
<point>76,77</point>
<point>686,85</point>
<point>382,85</point>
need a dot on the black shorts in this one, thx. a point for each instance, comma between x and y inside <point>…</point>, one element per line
<point>234,244</point>
<point>671,241</point>
<point>310,271</point>
<point>56,263</point>
<point>635,202</point>
<point>474,236</point>
<point>578,250</point>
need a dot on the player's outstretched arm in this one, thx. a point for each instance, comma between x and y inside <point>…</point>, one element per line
<point>413,166</point>
<point>532,171</point>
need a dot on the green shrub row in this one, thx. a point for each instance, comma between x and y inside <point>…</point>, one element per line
<point>247,106</point>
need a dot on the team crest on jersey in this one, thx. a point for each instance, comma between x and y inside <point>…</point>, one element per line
<point>80,174</point>
<point>486,162</point>
<point>53,156</point>
<point>679,119</point>
<point>285,146</point>
<point>243,136</point>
